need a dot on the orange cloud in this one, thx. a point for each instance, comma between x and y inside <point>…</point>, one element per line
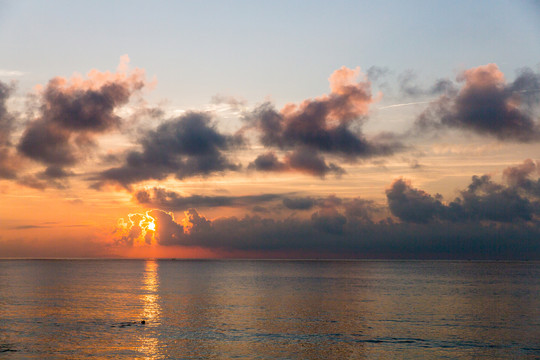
<point>482,76</point>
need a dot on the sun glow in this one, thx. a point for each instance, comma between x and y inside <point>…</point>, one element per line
<point>139,230</point>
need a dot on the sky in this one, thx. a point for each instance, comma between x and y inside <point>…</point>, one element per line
<point>283,129</point>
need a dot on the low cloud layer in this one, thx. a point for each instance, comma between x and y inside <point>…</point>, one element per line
<point>486,104</point>
<point>488,220</point>
<point>483,200</point>
<point>332,234</point>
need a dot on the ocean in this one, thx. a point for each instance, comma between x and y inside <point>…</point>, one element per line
<point>265,309</point>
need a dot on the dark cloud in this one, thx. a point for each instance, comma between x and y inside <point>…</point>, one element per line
<point>301,159</point>
<point>487,221</point>
<point>72,112</point>
<point>332,234</point>
<point>168,232</point>
<point>486,104</point>
<point>170,200</point>
<point>310,126</point>
<point>483,200</point>
<point>305,160</point>
<point>186,146</point>
<point>268,162</point>
<point>260,209</point>
<point>360,209</point>
<point>329,221</point>
<point>486,200</point>
<point>411,204</point>
<point>329,124</point>
<point>299,203</point>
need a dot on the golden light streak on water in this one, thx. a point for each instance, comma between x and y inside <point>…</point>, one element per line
<point>151,310</point>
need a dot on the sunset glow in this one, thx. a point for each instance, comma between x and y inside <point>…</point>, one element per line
<point>346,146</point>
<point>270,179</point>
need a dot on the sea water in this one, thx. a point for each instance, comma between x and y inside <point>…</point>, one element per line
<point>77,309</point>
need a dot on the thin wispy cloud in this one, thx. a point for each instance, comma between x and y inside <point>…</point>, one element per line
<point>11,73</point>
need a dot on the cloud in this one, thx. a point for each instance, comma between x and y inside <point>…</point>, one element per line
<point>411,204</point>
<point>408,86</point>
<point>325,125</point>
<point>483,200</point>
<point>137,230</point>
<point>301,159</point>
<point>360,209</point>
<point>168,200</point>
<point>299,203</point>
<point>268,162</point>
<point>7,123</point>
<point>519,177</point>
<point>329,233</point>
<point>187,146</point>
<point>488,220</point>
<point>488,105</point>
<point>72,111</point>
<point>375,73</point>
<point>310,162</point>
<point>168,232</point>
<point>233,102</point>
<point>172,201</point>
<point>11,73</point>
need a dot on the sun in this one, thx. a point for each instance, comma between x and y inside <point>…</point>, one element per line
<point>138,230</point>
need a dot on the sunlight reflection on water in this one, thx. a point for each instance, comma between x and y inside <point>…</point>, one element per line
<point>151,310</point>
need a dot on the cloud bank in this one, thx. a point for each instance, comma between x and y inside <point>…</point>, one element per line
<point>488,220</point>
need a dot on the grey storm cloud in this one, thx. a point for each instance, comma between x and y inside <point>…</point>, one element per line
<point>187,146</point>
<point>7,166</point>
<point>329,124</point>
<point>488,105</point>
<point>483,200</point>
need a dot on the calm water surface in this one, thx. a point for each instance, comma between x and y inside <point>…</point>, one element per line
<point>73,309</point>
